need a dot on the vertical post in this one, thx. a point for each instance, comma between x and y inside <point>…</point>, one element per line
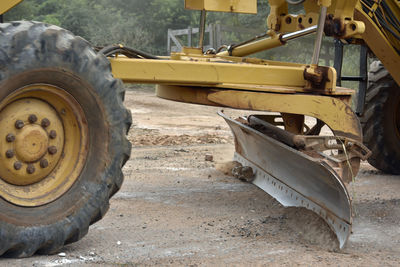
<point>169,41</point>
<point>211,33</point>
<point>202,28</point>
<point>320,32</point>
<point>218,36</point>
<point>338,64</point>
<point>190,31</point>
<point>1,18</point>
<point>214,39</point>
<point>362,89</point>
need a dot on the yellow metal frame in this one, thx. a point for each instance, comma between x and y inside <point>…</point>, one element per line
<point>225,71</point>
<point>6,5</point>
<point>279,21</point>
<point>353,20</point>
<point>203,73</point>
<point>236,6</point>
<point>334,111</point>
<point>228,79</point>
<point>234,79</point>
<point>380,44</point>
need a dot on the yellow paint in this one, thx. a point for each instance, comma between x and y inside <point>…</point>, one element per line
<point>380,45</point>
<point>180,72</point>
<point>356,24</point>
<point>32,143</point>
<point>235,6</point>
<point>6,5</point>
<point>333,110</point>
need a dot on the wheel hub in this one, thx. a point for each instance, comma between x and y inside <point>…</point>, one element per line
<point>30,149</point>
<point>31,143</point>
<point>37,163</point>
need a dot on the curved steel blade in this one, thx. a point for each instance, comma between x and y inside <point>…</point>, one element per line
<point>294,178</point>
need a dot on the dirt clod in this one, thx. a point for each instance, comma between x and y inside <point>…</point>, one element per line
<point>209,157</point>
<point>243,173</point>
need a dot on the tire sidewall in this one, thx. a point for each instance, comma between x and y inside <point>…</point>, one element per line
<point>390,130</point>
<point>32,53</point>
<point>378,120</point>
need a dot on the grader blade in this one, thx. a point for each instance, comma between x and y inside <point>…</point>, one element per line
<point>294,178</point>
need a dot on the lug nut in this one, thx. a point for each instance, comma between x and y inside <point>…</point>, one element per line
<point>32,118</point>
<point>10,138</point>
<point>53,134</point>
<point>44,163</point>
<point>52,150</point>
<point>17,165</point>
<point>30,169</point>
<point>9,154</point>
<point>45,123</point>
<point>19,124</point>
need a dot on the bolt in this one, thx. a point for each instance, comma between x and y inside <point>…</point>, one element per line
<point>19,124</point>
<point>53,134</point>
<point>350,144</point>
<point>30,169</point>
<point>44,163</point>
<point>63,112</point>
<point>52,150</point>
<point>9,154</point>
<point>17,165</point>
<point>32,118</point>
<point>45,123</point>
<point>10,138</point>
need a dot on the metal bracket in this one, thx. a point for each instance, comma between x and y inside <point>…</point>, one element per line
<point>362,78</point>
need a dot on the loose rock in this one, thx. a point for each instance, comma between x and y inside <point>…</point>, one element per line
<point>209,157</point>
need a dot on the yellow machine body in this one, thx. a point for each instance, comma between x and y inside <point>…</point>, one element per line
<point>196,74</point>
<point>230,79</point>
<point>249,6</point>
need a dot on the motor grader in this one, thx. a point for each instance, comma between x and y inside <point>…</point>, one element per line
<point>63,125</point>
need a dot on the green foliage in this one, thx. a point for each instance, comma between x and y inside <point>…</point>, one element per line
<point>26,10</point>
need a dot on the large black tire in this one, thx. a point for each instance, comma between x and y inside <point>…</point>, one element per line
<point>37,53</point>
<point>381,120</point>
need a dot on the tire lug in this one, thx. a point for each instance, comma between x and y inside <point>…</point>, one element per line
<point>19,124</point>
<point>32,118</point>
<point>52,150</point>
<point>53,134</point>
<point>10,138</point>
<point>45,123</point>
<point>10,154</point>
<point>17,165</point>
<point>44,163</point>
<point>30,169</point>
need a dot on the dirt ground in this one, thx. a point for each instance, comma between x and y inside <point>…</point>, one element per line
<point>176,208</point>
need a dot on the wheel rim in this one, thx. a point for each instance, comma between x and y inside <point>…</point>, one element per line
<point>43,144</point>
